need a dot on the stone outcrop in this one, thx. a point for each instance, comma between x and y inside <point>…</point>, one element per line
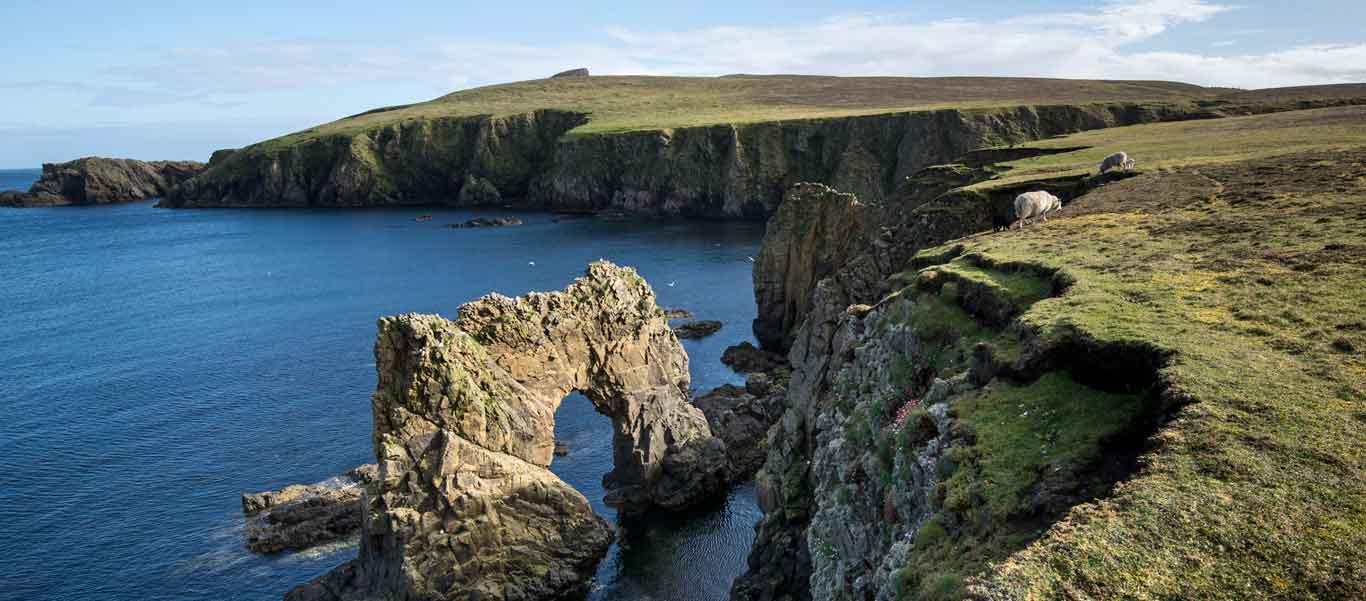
<point>579,72</point>
<point>719,171</point>
<point>815,232</point>
<point>96,180</point>
<point>299,516</point>
<point>464,417</point>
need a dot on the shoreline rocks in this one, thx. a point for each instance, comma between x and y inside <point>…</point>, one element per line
<point>300,516</point>
<point>97,180</point>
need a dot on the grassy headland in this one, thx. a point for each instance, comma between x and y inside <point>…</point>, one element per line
<point>630,103</point>
<point>1236,263</point>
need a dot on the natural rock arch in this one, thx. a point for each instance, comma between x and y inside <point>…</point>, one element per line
<point>464,429</point>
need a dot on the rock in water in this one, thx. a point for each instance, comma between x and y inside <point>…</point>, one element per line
<point>579,72</point>
<point>464,429</point>
<point>741,417</point>
<point>95,180</point>
<point>299,516</point>
<point>697,329</point>
<point>676,313</point>
<point>747,359</point>
<point>487,222</point>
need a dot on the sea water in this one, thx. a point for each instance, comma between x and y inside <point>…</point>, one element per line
<point>154,364</point>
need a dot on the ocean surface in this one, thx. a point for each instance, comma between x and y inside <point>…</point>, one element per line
<point>158,363</point>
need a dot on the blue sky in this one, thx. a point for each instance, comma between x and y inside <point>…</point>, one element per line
<point>177,80</point>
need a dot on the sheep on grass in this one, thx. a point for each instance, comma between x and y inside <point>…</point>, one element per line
<point>1035,204</point>
<point>1118,160</point>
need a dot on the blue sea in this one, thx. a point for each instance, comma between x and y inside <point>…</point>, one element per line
<point>158,363</point>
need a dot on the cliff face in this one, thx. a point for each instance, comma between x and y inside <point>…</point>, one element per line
<point>730,171</point>
<point>1040,413</point>
<point>95,180</point>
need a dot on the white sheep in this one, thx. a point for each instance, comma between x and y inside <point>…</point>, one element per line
<point>1035,204</point>
<point>1117,160</point>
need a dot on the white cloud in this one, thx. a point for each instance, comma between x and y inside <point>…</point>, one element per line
<point>1100,42</point>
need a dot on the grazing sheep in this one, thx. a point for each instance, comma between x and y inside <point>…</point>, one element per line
<point>1117,160</point>
<point>1035,204</point>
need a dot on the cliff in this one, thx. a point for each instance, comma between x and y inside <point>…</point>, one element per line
<point>705,147</point>
<point>721,171</point>
<point>1115,404</point>
<point>95,180</point>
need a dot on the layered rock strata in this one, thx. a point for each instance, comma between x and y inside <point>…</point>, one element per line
<point>464,418</point>
<point>300,516</point>
<point>96,180</point>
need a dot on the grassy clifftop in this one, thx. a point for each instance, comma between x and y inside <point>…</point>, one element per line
<point>1236,258</point>
<point>629,103</point>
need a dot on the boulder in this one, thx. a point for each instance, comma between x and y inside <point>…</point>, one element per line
<point>697,329</point>
<point>676,313</point>
<point>464,506</point>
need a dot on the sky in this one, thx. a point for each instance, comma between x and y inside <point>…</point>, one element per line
<point>176,80</point>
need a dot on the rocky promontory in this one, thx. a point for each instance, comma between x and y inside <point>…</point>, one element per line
<point>464,506</point>
<point>96,180</point>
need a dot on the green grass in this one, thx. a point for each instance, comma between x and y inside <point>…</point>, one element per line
<point>1243,256</point>
<point>1191,143</point>
<point>633,103</point>
<point>1053,423</point>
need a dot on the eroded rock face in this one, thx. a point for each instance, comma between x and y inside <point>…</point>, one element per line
<point>96,180</point>
<point>815,232</point>
<point>464,420</point>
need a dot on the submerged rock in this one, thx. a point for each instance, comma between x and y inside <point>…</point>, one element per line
<point>96,180</point>
<point>486,222</point>
<point>464,430</point>
<point>697,329</point>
